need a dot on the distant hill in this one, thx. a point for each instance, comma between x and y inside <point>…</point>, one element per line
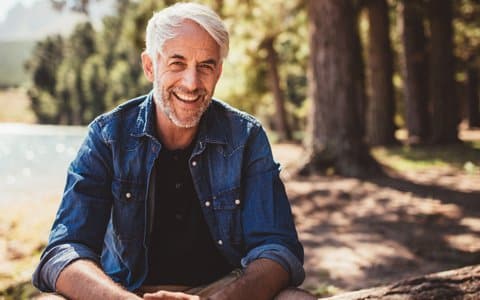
<point>24,25</point>
<point>14,54</point>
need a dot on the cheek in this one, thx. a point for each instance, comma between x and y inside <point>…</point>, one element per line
<point>166,80</point>
<point>210,84</point>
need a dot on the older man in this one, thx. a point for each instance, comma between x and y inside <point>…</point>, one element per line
<point>174,195</point>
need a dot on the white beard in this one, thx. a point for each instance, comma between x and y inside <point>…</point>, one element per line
<point>164,98</point>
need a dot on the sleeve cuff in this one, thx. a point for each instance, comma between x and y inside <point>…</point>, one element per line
<point>281,255</point>
<point>55,260</point>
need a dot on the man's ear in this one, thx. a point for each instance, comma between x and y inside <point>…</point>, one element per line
<point>147,64</point>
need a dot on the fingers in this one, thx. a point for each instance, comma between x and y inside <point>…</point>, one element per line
<point>166,295</point>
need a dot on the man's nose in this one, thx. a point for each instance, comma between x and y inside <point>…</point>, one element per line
<point>191,79</point>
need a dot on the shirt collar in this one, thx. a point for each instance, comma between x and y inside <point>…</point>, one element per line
<point>211,129</point>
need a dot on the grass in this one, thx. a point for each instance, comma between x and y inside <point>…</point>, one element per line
<point>465,156</point>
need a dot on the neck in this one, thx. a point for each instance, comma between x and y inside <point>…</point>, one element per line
<point>172,136</point>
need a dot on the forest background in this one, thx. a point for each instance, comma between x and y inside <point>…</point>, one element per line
<point>373,107</point>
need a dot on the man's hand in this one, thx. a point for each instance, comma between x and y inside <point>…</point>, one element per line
<point>165,295</point>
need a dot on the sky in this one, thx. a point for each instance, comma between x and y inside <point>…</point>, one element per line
<point>6,5</point>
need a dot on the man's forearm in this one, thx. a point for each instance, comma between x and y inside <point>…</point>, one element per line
<point>263,279</point>
<point>83,279</point>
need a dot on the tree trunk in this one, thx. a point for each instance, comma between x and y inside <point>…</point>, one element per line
<point>472,97</point>
<point>359,69</point>
<point>415,71</point>
<point>458,284</point>
<point>441,81</point>
<point>334,129</point>
<point>381,105</point>
<point>281,123</point>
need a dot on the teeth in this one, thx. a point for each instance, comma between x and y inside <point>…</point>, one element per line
<point>185,97</point>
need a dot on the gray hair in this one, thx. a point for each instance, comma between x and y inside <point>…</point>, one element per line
<point>161,26</point>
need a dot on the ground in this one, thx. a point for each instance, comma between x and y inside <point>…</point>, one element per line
<point>359,234</point>
<point>423,218</point>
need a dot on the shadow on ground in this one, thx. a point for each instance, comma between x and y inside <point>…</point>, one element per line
<point>360,234</point>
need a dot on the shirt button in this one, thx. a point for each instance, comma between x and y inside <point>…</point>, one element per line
<point>220,242</point>
<point>194,163</point>
<point>237,202</point>
<point>178,185</point>
<point>128,195</point>
<point>207,204</point>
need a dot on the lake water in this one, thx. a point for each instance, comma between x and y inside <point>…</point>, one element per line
<point>34,160</point>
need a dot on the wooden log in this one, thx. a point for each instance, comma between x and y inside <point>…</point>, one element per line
<point>463,283</point>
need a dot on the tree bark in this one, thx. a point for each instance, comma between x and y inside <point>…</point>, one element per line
<point>415,71</point>
<point>381,104</point>
<point>334,129</point>
<point>458,284</point>
<point>445,117</point>
<point>281,123</point>
<point>359,69</point>
<point>473,98</point>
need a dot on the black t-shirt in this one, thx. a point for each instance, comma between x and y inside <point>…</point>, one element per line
<point>181,249</point>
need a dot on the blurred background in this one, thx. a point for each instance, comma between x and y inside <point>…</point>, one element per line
<point>348,88</point>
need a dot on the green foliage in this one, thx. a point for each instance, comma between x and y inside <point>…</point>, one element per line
<point>98,70</point>
<point>75,80</point>
<point>43,65</point>
<point>467,36</point>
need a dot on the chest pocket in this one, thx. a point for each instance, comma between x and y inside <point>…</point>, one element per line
<point>128,212</point>
<point>228,214</point>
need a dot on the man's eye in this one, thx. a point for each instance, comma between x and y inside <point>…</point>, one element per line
<point>177,64</point>
<point>206,67</point>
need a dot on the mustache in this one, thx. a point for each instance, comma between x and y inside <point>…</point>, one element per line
<point>194,93</point>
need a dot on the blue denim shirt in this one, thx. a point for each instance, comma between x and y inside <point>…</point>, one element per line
<point>106,211</point>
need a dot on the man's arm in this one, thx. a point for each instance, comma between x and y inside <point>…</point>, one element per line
<point>83,279</point>
<point>263,279</point>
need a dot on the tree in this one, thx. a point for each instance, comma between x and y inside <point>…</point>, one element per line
<point>467,47</point>
<point>445,116</point>
<point>261,26</point>
<point>415,70</point>
<point>94,86</point>
<point>79,47</point>
<point>381,105</point>
<point>472,97</point>
<point>47,56</point>
<point>334,128</point>
<point>281,123</point>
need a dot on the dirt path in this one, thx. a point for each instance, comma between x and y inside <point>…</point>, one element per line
<point>360,234</point>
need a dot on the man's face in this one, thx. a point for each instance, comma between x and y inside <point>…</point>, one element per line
<point>185,75</point>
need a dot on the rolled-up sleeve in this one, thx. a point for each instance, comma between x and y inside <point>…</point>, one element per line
<point>55,260</point>
<point>282,256</point>
<point>268,226</point>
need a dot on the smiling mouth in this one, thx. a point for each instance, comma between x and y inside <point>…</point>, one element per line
<point>187,98</point>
